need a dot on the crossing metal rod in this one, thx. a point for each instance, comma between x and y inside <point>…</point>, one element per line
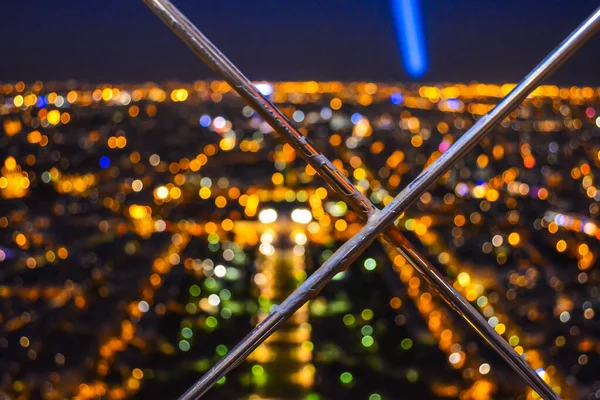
<point>357,200</point>
<point>340,184</point>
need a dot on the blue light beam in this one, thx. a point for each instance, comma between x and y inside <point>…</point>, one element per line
<point>409,32</point>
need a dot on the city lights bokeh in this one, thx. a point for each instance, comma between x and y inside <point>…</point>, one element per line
<point>147,227</point>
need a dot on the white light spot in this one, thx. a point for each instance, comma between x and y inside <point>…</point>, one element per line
<point>326,113</point>
<point>454,358</point>
<point>266,249</point>
<point>160,225</point>
<point>541,372</point>
<point>265,88</point>
<point>219,122</point>
<point>154,160</point>
<point>228,254</point>
<point>267,237</point>
<point>497,240</point>
<point>484,369</point>
<point>260,279</point>
<point>267,216</point>
<point>298,116</point>
<point>162,192</point>
<point>301,216</point>
<point>299,251</point>
<point>220,271</point>
<point>214,300</point>
<point>143,306</point>
<point>137,185</point>
<point>300,239</point>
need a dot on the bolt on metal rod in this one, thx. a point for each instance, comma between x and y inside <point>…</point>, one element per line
<point>394,237</point>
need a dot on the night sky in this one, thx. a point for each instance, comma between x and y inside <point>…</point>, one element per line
<point>122,41</point>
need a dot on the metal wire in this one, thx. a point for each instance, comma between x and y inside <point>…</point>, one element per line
<point>216,60</point>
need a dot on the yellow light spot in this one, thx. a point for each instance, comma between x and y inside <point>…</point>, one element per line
<point>21,240</point>
<point>459,220</point>
<point>498,151</point>
<point>138,212</point>
<point>24,341</point>
<point>514,239</point>
<point>464,279</point>
<point>18,101</point>
<point>277,178</point>
<point>220,201</point>
<point>62,253</point>
<point>134,111</point>
<point>175,192</point>
<point>500,328</point>
<point>561,245</point>
<point>204,193</point>
<point>179,95</point>
<point>227,224</point>
<point>321,193</point>
<point>492,195</point>
<point>107,94</point>
<point>53,117</point>
<point>31,263</point>
<point>416,141</point>
<point>482,161</point>
<point>65,118</point>
<point>479,192</point>
<point>471,294</point>
<point>443,128</point>
<point>133,384</point>
<point>121,142</point>
<point>10,163</point>
<point>395,303</point>
<point>72,96</point>
<point>137,373</point>
<point>335,103</point>
<point>12,127</point>
<point>50,256</point>
<point>359,174</point>
<point>34,137</point>
<point>341,225</point>
<point>227,143</point>
<point>335,140</point>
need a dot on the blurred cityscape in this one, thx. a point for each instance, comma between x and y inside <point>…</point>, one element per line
<point>145,229</point>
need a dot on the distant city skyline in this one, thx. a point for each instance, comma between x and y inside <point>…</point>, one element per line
<point>115,41</point>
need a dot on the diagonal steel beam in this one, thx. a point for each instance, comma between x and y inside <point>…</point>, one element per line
<point>189,34</point>
<point>340,184</point>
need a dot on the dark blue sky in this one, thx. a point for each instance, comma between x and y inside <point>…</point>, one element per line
<point>121,40</point>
